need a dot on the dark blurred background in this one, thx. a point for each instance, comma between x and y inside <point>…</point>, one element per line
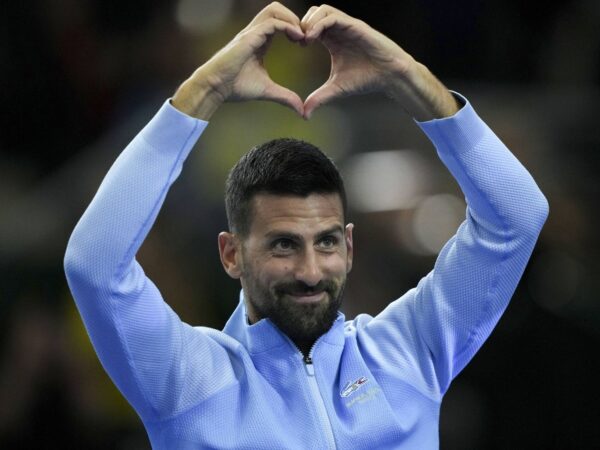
<point>79,78</point>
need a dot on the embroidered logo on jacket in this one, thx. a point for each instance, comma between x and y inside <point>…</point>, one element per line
<point>353,386</point>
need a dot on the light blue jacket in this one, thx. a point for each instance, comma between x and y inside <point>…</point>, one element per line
<point>374,382</point>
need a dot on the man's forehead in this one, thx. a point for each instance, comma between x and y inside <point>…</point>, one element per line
<point>271,211</point>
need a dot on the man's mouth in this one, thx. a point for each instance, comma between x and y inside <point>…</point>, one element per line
<point>307,297</point>
<point>302,293</point>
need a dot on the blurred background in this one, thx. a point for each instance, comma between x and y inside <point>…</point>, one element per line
<point>80,78</point>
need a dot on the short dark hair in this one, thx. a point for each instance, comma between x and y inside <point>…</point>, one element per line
<point>282,166</point>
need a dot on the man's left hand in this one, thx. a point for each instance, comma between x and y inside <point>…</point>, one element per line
<point>364,60</point>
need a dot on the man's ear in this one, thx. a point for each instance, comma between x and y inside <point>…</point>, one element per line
<point>349,247</point>
<point>231,254</point>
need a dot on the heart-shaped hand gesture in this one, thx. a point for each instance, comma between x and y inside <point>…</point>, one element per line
<point>362,60</point>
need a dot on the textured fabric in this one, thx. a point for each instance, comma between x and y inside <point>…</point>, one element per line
<point>375,382</point>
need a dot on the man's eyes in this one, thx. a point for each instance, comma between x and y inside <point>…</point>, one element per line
<point>328,242</point>
<point>285,245</point>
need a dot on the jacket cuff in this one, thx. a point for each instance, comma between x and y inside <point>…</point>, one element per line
<point>172,129</point>
<point>456,133</point>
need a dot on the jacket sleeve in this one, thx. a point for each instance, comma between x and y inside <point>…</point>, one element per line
<point>438,326</point>
<point>141,342</point>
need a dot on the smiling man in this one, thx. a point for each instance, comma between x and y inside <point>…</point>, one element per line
<point>288,371</point>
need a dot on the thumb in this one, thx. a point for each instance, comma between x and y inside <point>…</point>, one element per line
<point>322,95</point>
<point>278,94</point>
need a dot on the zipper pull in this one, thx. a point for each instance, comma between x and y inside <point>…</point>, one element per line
<point>308,365</point>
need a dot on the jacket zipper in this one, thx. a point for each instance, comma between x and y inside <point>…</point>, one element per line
<point>318,399</point>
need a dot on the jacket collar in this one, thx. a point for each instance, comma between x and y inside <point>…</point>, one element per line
<point>264,334</point>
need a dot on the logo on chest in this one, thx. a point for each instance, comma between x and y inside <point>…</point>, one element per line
<point>352,386</point>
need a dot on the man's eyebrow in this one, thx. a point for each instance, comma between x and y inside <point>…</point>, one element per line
<point>333,230</point>
<point>278,234</point>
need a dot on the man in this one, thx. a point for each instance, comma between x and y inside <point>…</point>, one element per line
<point>288,372</point>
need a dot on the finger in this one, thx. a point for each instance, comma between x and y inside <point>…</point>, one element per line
<point>278,94</point>
<point>312,9</point>
<point>278,11</point>
<point>319,14</point>
<point>331,21</point>
<point>322,95</point>
<point>307,16</point>
<point>270,26</point>
<point>259,34</point>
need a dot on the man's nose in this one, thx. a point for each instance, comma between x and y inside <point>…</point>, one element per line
<point>309,269</point>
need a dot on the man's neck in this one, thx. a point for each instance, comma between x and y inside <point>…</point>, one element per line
<point>305,347</point>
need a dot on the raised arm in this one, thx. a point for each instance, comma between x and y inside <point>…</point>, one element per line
<point>148,352</point>
<point>436,328</point>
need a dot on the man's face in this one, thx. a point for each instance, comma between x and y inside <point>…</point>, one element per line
<point>294,262</point>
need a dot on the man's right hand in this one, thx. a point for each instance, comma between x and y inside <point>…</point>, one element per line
<point>237,73</point>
